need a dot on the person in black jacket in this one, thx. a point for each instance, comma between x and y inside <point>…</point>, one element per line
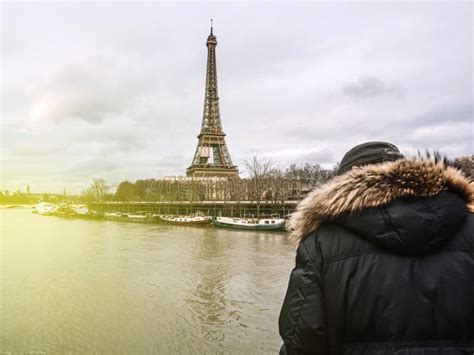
<point>385,260</point>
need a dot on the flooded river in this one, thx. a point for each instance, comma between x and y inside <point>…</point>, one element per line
<point>78,286</point>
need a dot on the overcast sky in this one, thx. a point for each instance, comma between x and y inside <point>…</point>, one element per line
<point>115,90</point>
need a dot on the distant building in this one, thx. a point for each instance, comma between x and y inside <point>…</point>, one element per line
<point>195,178</point>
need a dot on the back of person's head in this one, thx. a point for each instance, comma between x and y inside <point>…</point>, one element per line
<point>368,153</point>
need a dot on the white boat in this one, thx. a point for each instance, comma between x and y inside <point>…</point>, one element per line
<point>142,217</point>
<point>80,210</point>
<point>249,223</point>
<point>45,208</point>
<point>194,219</point>
<point>116,216</point>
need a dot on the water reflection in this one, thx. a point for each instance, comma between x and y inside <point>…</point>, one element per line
<point>107,287</point>
<point>208,296</point>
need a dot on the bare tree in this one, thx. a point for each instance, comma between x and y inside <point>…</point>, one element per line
<point>466,165</point>
<point>96,191</point>
<point>277,188</point>
<point>259,170</point>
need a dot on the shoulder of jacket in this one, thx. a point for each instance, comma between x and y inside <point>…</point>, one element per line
<point>468,225</point>
<point>332,240</point>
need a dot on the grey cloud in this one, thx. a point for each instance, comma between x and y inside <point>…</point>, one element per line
<point>447,127</point>
<point>318,156</point>
<point>91,92</point>
<point>371,87</point>
<point>372,123</point>
<point>20,151</point>
<point>173,161</point>
<point>93,166</point>
<point>462,112</point>
<point>441,134</point>
<point>296,85</point>
<point>443,121</point>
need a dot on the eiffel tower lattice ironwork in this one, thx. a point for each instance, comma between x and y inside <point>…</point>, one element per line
<point>212,157</point>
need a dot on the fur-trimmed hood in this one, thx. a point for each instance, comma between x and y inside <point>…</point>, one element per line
<point>377,185</point>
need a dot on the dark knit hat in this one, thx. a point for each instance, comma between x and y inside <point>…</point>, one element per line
<point>368,153</point>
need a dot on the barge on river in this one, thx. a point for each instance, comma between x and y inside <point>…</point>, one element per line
<point>193,220</point>
<point>249,223</point>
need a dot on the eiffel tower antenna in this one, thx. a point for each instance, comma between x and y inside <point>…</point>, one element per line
<point>212,157</point>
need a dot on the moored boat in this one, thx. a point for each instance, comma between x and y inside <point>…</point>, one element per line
<point>142,217</point>
<point>249,223</point>
<point>116,216</point>
<point>63,210</point>
<point>80,210</point>
<point>194,219</point>
<point>45,208</point>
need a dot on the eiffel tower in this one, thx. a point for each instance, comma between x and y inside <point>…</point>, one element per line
<point>212,157</point>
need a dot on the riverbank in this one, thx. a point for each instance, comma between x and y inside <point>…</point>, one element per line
<point>273,222</point>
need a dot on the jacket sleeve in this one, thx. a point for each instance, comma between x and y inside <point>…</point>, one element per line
<point>302,319</point>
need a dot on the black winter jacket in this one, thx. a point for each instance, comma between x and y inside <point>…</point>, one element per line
<point>385,264</point>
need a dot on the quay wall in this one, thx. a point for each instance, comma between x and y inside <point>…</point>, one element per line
<point>210,208</point>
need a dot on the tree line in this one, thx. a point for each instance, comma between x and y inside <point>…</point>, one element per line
<point>264,181</point>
